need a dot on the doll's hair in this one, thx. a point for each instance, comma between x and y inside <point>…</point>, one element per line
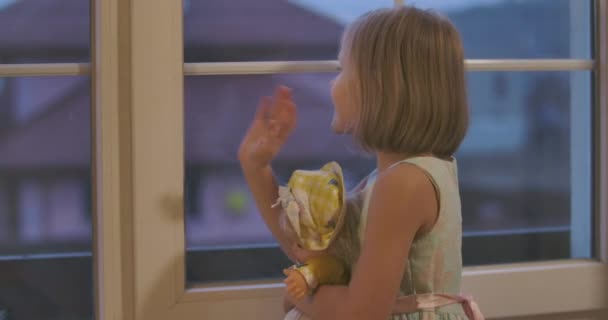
<point>409,82</point>
<point>346,245</point>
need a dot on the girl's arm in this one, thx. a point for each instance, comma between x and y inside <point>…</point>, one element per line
<point>274,121</point>
<point>403,202</point>
<point>264,189</point>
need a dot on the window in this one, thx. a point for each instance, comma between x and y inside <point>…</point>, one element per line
<point>268,30</point>
<point>44,31</point>
<point>525,166</point>
<point>45,242</point>
<point>237,266</point>
<point>150,187</point>
<point>45,167</point>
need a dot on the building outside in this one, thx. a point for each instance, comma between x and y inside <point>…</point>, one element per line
<point>45,142</point>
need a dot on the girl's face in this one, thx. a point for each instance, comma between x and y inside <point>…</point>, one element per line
<point>342,95</point>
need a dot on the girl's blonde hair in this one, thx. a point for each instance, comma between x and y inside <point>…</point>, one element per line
<point>409,82</point>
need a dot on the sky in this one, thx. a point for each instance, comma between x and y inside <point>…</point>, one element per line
<point>451,4</point>
<point>345,11</point>
<point>4,3</point>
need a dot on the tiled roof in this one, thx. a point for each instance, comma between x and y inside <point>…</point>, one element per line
<point>44,25</point>
<point>57,138</point>
<point>218,111</point>
<point>64,25</point>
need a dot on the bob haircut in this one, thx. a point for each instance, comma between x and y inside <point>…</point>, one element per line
<point>408,67</point>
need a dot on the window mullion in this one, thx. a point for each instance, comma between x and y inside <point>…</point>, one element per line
<point>111,159</point>
<point>44,69</point>
<point>601,131</point>
<point>273,67</point>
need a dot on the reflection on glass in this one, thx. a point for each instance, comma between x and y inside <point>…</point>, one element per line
<point>44,31</point>
<point>516,163</point>
<point>242,30</point>
<point>45,200</point>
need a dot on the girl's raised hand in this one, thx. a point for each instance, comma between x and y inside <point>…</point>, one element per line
<point>274,121</point>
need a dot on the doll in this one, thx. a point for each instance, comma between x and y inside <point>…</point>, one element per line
<point>314,209</point>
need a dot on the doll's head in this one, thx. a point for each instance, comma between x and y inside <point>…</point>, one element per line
<point>401,88</point>
<point>313,206</point>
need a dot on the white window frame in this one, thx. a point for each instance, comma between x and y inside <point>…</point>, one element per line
<point>112,158</point>
<point>137,119</point>
<point>156,129</point>
<point>158,169</point>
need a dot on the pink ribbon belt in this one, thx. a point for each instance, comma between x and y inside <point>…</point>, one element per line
<point>430,301</point>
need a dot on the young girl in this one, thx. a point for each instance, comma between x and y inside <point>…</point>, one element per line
<point>401,95</point>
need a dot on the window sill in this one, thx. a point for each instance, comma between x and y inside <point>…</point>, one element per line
<point>510,290</point>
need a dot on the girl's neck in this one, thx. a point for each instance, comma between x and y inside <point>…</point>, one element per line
<point>386,159</point>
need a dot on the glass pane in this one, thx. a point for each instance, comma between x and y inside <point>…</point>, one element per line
<point>512,29</point>
<point>525,168</point>
<point>45,198</point>
<point>42,31</point>
<point>243,30</point>
<point>217,197</point>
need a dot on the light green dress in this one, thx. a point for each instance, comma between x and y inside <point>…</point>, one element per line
<point>435,259</point>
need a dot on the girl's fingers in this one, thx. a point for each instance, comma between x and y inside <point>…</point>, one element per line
<point>274,127</point>
<point>282,100</point>
<point>264,108</point>
<point>287,114</point>
<point>299,294</point>
<point>276,119</point>
<point>279,124</point>
<point>293,292</point>
<point>282,93</point>
<point>275,137</point>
